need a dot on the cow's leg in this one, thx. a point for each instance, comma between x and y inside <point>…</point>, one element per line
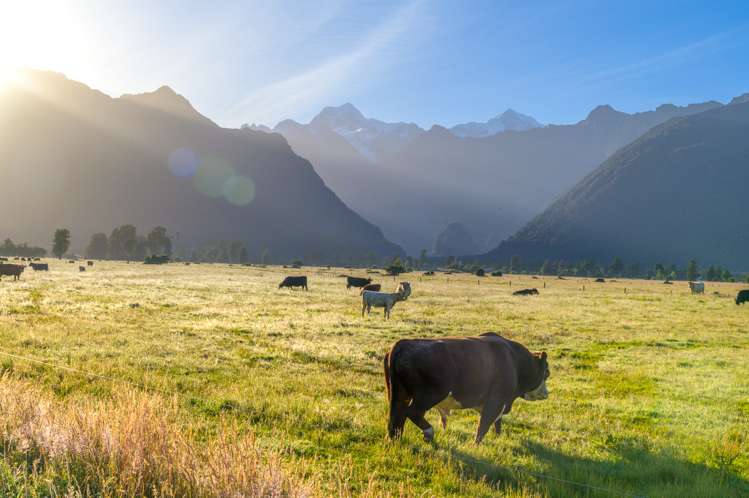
<point>491,414</point>
<point>498,422</point>
<point>363,307</point>
<point>419,406</point>
<point>444,413</point>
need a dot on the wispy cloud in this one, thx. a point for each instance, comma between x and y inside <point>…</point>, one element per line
<point>310,88</point>
<point>665,60</point>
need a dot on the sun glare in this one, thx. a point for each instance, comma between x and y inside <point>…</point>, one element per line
<point>43,35</point>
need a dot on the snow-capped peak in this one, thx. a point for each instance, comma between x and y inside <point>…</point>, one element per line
<point>508,120</point>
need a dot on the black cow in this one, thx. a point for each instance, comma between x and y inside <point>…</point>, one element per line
<point>39,266</point>
<point>11,271</point>
<point>742,296</point>
<point>525,292</point>
<point>357,282</point>
<point>292,282</point>
<point>600,280</point>
<point>486,373</point>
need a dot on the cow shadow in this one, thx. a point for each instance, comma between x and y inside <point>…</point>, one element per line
<point>629,469</point>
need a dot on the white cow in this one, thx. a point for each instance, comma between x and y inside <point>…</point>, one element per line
<point>697,287</point>
<point>384,299</point>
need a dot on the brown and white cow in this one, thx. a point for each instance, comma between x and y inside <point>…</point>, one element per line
<point>486,373</point>
<point>371,287</point>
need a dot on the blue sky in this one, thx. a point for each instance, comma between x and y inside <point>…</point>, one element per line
<point>422,61</point>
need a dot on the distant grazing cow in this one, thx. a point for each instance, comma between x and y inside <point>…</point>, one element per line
<point>3,259</point>
<point>81,268</point>
<point>668,282</point>
<point>600,280</point>
<point>357,282</point>
<point>525,292</point>
<point>370,287</point>
<point>384,299</point>
<point>742,296</point>
<point>90,263</point>
<point>496,274</point>
<point>39,266</point>
<point>485,373</point>
<point>428,273</point>
<point>292,282</point>
<point>697,287</point>
<point>480,272</point>
<point>11,271</point>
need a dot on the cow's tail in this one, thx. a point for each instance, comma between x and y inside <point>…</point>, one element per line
<point>396,397</point>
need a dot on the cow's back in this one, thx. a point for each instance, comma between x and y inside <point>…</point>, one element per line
<point>462,367</point>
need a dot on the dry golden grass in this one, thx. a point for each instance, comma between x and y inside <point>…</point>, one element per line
<point>649,386</point>
<point>130,445</point>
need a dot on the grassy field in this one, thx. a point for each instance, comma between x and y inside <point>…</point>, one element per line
<point>649,387</point>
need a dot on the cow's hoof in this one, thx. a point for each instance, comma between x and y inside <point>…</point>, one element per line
<point>429,435</point>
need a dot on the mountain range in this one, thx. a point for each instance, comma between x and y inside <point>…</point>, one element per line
<point>415,182</point>
<point>74,157</point>
<point>677,193</point>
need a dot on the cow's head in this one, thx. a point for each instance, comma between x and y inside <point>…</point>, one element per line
<point>541,367</point>
<point>404,289</point>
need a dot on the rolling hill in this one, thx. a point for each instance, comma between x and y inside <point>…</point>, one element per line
<point>677,193</point>
<point>73,157</point>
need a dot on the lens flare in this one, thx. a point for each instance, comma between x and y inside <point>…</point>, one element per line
<point>183,162</point>
<point>212,175</point>
<point>239,190</point>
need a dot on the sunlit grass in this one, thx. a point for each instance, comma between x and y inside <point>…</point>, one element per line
<point>649,387</point>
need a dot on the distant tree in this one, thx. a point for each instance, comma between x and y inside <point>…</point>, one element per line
<point>692,270</point>
<point>98,246</point>
<point>122,242</point>
<point>423,258</point>
<point>450,261</point>
<point>61,242</point>
<point>235,250</point>
<point>159,242</point>
<point>8,248</point>
<point>660,271</point>
<point>561,268</point>
<point>515,263</point>
<point>633,270</point>
<point>546,268</point>
<point>264,255</point>
<point>142,248</point>
<point>726,276</point>
<point>617,267</point>
<point>243,258</point>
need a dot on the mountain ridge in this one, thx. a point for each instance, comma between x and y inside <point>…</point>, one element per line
<point>674,194</point>
<point>89,162</point>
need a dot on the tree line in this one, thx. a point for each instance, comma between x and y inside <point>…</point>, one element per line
<point>9,248</point>
<point>618,268</point>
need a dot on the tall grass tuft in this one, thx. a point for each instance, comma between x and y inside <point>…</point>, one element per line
<point>131,445</point>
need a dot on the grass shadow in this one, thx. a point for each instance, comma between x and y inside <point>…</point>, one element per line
<point>630,469</point>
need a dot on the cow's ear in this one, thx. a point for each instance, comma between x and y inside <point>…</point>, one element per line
<point>543,355</point>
